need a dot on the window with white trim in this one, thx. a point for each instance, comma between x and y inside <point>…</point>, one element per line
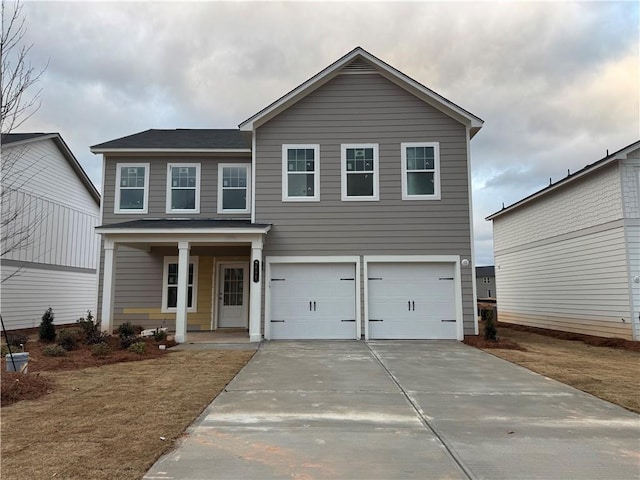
<point>132,188</point>
<point>486,279</point>
<point>420,171</point>
<point>301,173</point>
<point>360,172</point>
<point>170,284</point>
<point>183,188</point>
<point>234,188</point>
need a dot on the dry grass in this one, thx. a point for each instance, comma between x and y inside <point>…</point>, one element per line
<point>612,374</point>
<point>107,422</point>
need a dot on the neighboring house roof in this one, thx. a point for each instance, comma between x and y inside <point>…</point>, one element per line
<point>589,169</point>
<point>16,139</point>
<point>489,271</point>
<point>354,61</point>
<point>180,139</point>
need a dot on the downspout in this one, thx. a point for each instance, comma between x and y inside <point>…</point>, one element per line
<point>473,253</point>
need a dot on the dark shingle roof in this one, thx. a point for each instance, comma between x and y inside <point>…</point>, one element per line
<point>18,137</point>
<point>186,223</point>
<point>489,271</point>
<point>181,138</point>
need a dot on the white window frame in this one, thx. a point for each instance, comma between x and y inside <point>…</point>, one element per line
<point>165,285</point>
<point>436,170</point>
<point>220,188</point>
<point>119,167</point>
<point>316,173</point>
<point>376,176</point>
<point>171,166</point>
<point>486,280</point>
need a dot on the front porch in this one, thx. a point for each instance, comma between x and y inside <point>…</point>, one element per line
<point>195,277</point>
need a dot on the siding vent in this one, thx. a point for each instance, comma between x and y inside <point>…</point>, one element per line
<point>359,66</point>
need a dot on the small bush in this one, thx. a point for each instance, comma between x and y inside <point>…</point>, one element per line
<point>139,347</point>
<point>68,339</point>
<point>17,340</point>
<point>100,350</point>
<point>3,350</point>
<point>490,329</point>
<point>160,335</point>
<point>126,342</point>
<point>90,329</point>
<point>126,330</point>
<point>47,330</point>
<point>54,351</point>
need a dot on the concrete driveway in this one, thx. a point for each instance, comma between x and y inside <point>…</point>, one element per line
<point>401,410</point>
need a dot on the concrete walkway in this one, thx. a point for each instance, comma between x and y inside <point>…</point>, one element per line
<point>401,410</point>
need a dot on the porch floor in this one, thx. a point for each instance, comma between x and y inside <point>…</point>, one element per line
<point>232,338</point>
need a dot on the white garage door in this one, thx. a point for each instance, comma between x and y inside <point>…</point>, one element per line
<point>411,301</point>
<point>313,301</point>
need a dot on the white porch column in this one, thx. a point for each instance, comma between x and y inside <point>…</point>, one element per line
<point>108,277</point>
<point>181,304</point>
<point>255,292</point>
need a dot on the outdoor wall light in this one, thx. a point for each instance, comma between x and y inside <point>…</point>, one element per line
<point>465,262</point>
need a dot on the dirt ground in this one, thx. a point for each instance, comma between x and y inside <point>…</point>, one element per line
<point>610,373</point>
<point>111,421</point>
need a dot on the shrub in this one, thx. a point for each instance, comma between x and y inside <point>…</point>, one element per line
<point>91,333</point>
<point>47,331</point>
<point>17,340</point>
<point>126,342</point>
<point>68,339</point>
<point>4,350</point>
<point>100,350</point>
<point>490,330</point>
<point>160,335</point>
<point>54,351</point>
<point>126,330</point>
<point>139,347</point>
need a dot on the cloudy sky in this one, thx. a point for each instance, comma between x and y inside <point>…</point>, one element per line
<point>556,83</point>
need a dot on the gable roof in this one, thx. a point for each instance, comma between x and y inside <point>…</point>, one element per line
<point>588,170</point>
<point>180,139</point>
<point>16,139</point>
<point>488,271</point>
<point>360,59</point>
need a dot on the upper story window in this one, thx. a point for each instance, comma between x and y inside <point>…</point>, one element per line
<point>360,172</point>
<point>301,173</point>
<point>170,284</point>
<point>486,279</point>
<point>234,188</point>
<point>183,188</point>
<point>132,188</point>
<point>420,171</point>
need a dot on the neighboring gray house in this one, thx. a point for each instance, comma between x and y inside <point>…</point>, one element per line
<point>50,249</point>
<point>568,257</point>
<point>486,282</point>
<point>340,211</point>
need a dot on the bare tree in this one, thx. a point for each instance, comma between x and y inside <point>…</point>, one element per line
<point>18,102</point>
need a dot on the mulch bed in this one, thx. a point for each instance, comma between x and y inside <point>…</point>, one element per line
<point>479,341</point>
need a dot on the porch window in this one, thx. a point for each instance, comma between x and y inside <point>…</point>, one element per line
<point>183,188</point>
<point>420,171</point>
<point>360,172</point>
<point>132,188</point>
<point>234,188</point>
<point>301,173</point>
<point>170,284</point>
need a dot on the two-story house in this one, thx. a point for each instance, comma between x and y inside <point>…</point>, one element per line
<point>340,211</point>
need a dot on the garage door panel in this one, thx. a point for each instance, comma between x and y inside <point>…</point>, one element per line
<point>313,301</point>
<point>411,301</point>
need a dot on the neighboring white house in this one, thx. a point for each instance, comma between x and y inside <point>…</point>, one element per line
<point>568,257</point>
<point>486,282</point>
<point>56,205</point>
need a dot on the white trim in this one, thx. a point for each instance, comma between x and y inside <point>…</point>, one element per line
<point>248,202</point>
<point>455,259</point>
<point>474,284</point>
<point>343,173</point>
<point>436,170</point>
<point>173,232</point>
<point>196,208</point>
<point>355,259</point>
<point>165,271</point>
<point>285,172</point>
<point>253,176</point>
<point>170,150</point>
<point>147,174</point>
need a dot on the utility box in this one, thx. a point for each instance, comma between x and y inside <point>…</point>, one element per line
<point>19,359</point>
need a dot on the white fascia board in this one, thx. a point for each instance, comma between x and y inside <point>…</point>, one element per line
<point>170,150</point>
<point>182,231</point>
<point>411,258</point>
<point>313,259</point>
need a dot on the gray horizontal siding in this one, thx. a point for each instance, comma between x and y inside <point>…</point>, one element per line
<point>158,187</point>
<point>366,109</point>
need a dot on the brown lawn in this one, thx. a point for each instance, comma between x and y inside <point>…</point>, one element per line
<point>610,373</point>
<point>111,421</point>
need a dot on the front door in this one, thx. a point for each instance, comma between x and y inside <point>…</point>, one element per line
<point>233,296</point>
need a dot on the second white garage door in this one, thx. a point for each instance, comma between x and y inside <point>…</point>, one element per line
<point>312,301</point>
<point>411,301</point>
